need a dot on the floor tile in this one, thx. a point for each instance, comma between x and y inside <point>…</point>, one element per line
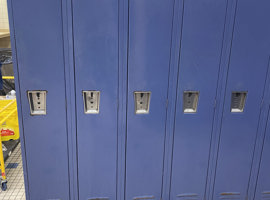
<point>15,184</point>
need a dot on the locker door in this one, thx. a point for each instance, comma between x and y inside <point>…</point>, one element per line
<point>244,90</point>
<point>96,70</point>
<point>39,50</point>
<point>150,25</point>
<point>202,34</point>
<point>263,182</point>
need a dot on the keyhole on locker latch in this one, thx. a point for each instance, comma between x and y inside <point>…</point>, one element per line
<point>37,100</point>
<point>141,102</point>
<point>91,102</point>
<point>92,94</point>
<point>38,96</point>
<point>190,101</point>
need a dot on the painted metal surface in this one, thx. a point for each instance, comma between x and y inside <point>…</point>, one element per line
<point>39,54</point>
<point>150,26</point>
<point>122,47</point>
<point>202,35</point>
<point>263,183</point>
<point>247,72</point>
<point>259,179</point>
<point>95,27</point>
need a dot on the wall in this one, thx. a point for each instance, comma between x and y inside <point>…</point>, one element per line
<point>4,42</point>
<point>3,15</point>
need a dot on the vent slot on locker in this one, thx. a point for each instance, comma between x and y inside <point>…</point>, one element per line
<point>99,198</point>
<point>190,99</point>
<point>190,196</point>
<point>91,102</point>
<point>142,102</point>
<point>266,195</point>
<point>37,102</point>
<point>238,101</point>
<point>144,197</point>
<point>230,195</point>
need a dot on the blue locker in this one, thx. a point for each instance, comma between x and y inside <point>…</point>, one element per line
<point>263,182</point>
<point>150,25</point>
<point>110,117</point>
<point>246,75</point>
<point>202,35</point>
<point>95,27</point>
<point>39,65</point>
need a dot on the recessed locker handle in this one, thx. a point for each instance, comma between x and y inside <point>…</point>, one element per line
<point>190,99</point>
<point>37,102</point>
<point>238,101</point>
<point>91,100</point>
<point>142,102</point>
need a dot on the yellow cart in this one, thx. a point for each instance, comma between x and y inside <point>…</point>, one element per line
<point>9,129</point>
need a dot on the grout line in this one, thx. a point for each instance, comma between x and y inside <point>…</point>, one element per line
<point>15,178</point>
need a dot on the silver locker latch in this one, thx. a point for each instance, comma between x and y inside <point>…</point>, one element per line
<point>190,101</point>
<point>142,102</point>
<point>238,101</point>
<point>91,102</point>
<point>37,102</point>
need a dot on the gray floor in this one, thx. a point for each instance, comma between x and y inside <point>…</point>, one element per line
<point>15,185</point>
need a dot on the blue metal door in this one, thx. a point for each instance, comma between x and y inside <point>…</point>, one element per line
<point>202,35</point>
<point>263,182</point>
<point>39,52</point>
<point>96,69</point>
<point>150,24</point>
<point>245,82</point>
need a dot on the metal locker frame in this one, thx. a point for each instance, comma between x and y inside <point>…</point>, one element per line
<point>96,69</point>
<point>247,147</point>
<point>199,63</point>
<point>23,109</point>
<point>149,49</point>
<point>66,14</point>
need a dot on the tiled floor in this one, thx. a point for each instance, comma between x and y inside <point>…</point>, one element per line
<point>15,184</point>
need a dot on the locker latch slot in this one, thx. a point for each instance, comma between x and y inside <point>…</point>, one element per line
<point>91,102</point>
<point>37,102</point>
<point>142,102</point>
<point>238,101</point>
<point>190,101</point>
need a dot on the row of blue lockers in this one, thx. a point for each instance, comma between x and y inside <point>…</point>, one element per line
<point>143,99</point>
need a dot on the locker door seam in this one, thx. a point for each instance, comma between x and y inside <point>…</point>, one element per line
<point>176,92</point>
<point>65,85</point>
<point>75,96</point>
<point>127,95</point>
<point>215,102</point>
<point>167,102</point>
<point>122,96</point>
<point>224,101</point>
<point>118,97</point>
